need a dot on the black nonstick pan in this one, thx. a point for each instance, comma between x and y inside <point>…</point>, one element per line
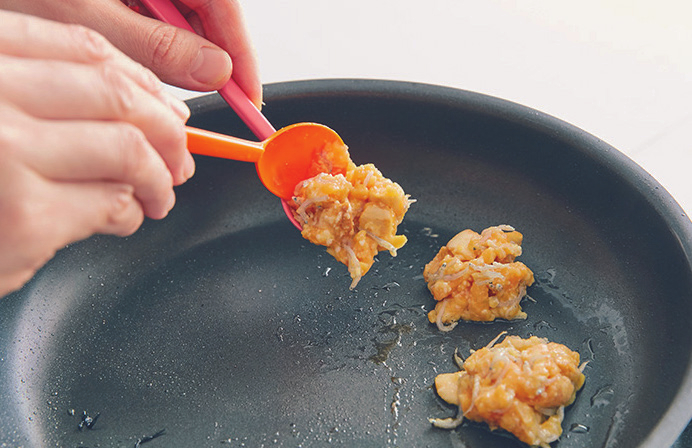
<point>220,326</point>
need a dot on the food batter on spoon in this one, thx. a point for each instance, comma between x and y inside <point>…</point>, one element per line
<point>354,214</point>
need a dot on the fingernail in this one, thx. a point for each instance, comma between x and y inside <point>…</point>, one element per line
<point>124,196</point>
<point>189,166</point>
<point>211,66</point>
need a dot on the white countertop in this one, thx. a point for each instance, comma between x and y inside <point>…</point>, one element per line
<point>621,70</point>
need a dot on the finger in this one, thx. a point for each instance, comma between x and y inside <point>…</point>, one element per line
<point>88,208</point>
<point>39,217</point>
<point>177,56</point>
<point>79,92</point>
<point>42,215</point>
<point>30,37</point>
<point>14,280</point>
<point>78,151</point>
<point>224,24</point>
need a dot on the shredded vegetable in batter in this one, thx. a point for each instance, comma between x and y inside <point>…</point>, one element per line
<point>520,385</point>
<point>354,214</point>
<point>474,277</point>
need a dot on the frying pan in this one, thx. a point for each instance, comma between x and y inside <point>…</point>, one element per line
<point>221,326</point>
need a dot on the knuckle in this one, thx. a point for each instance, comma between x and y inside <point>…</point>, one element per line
<point>172,148</point>
<point>140,164</point>
<point>93,45</point>
<point>123,215</point>
<point>119,91</point>
<point>176,137</point>
<point>132,150</point>
<point>162,39</point>
<point>148,80</point>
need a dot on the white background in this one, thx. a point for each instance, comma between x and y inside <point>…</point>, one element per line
<point>621,70</point>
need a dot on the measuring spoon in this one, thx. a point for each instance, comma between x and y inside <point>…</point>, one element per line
<point>289,156</point>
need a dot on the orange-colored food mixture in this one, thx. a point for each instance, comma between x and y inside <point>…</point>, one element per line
<point>331,159</point>
<point>520,385</point>
<point>355,215</point>
<point>474,277</point>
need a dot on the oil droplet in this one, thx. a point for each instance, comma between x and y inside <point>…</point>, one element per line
<point>579,428</point>
<point>427,231</point>
<point>541,324</point>
<point>390,285</point>
<point>383,349</point>
<point>396,402</point>
<point>279,333</point>
<point>589,348</point>
<point>549,278</point>
<point>602,396</point>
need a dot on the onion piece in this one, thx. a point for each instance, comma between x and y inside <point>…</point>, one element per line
<point>301,210</point>
<point>497,338</point>
<point>353,261</point>
<point>474,393</point>
<point>458,360</point>
<point>382,242</point>
<point>438,321</point>
<point>447,423</point>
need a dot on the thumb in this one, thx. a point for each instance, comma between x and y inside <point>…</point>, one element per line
<point>178,57</point>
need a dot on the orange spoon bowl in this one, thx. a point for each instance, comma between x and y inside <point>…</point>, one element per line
<point>289,156</point>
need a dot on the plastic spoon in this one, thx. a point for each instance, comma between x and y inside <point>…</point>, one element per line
<point>289,156</point>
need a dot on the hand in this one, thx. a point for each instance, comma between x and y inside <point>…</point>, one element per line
<point>176,56</point>
<point>90,142</point>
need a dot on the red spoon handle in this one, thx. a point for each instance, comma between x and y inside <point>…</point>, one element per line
<point>165,11</point>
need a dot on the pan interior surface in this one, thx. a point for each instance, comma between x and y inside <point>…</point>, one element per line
<point>222,326</point>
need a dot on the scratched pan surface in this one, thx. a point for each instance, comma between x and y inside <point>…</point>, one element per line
<point>223,327</point>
